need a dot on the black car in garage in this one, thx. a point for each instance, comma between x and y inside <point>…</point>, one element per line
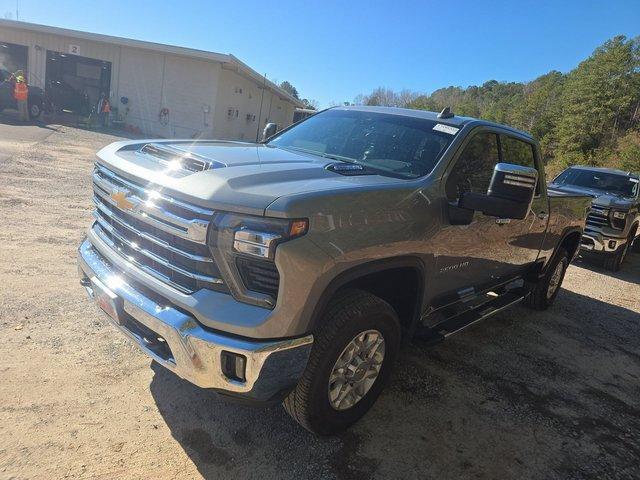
<point>36,96</point>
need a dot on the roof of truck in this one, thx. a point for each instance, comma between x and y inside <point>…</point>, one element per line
<point>615,171</point>
<point>455,120</point>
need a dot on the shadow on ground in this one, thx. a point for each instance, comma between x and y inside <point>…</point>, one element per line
<point>54,121</point>
<point>9,117</point>
<point>629,272</point>
<point>522,395</point>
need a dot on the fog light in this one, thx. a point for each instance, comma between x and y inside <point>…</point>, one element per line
<point>612,244</point>
<point>233,366</point>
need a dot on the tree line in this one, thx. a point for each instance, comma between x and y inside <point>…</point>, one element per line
<point>588,116</point>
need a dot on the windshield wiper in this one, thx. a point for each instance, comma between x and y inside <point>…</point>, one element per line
<point>319,154</point>
<point>339,158</point>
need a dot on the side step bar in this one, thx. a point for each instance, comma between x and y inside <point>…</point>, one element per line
<point>459,322</point>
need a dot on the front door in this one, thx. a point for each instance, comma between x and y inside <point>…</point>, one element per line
<point>489,250</point>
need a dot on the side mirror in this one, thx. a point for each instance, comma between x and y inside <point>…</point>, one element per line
<point>270,130</point>
<point>510,193</point>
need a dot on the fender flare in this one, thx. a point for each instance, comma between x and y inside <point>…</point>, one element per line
<point>569,231</point>
<point>362,270</point>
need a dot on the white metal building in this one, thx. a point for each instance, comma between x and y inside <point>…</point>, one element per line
<point>163,90</point>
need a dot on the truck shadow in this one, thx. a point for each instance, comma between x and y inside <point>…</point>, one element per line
<point>9,117</point>
<point>523,394</point>
<point>629,272</point>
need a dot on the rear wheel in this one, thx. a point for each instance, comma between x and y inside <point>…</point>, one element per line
<point>35,109</point>
<point>544,292</point>
<point>352,357</point>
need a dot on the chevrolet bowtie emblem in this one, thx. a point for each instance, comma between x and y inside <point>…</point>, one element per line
<point>122,200</point>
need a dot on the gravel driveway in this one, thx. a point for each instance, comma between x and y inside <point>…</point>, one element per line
<point>521,395</point>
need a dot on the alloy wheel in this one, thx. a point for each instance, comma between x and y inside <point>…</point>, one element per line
<point>556,277</point>
<point>356,369</point>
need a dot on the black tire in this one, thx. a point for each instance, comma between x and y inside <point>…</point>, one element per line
<point>539,297</point>
<point>349,313</point>
<point>635,246</point>
<point>35,110</point>
<point>613,263</point>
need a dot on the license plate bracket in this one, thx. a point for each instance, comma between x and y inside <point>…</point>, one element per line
<point>109,302</point>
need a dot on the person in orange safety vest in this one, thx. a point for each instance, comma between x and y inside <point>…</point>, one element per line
<point>21,94</point>
<point>104,109</point>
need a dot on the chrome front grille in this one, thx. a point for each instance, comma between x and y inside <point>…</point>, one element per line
<point>598,217</point>
<point>156,233</point>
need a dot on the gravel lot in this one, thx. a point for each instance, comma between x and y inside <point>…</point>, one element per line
<point>521,395</point>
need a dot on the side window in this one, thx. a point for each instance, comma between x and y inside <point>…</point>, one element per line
<point>518,152</point>
<point>474,168</point>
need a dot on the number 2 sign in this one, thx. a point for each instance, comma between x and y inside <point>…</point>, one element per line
<point>74,49</point>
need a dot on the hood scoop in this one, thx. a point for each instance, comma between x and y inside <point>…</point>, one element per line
<point>176,161</point>
<point>348,169</point>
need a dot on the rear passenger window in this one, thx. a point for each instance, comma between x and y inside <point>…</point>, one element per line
<point>474,168</point>
<point>517,152</point>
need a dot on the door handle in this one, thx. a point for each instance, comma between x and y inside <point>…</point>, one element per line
<point>543,215</point>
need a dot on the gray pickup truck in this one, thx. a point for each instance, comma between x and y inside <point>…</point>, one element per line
<point>292,270</point>
<point>613,224</point>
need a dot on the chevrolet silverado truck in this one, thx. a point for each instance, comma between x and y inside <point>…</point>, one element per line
<point>292,270</point>
<point>612,225</point>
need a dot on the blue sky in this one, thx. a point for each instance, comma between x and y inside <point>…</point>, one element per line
<point>332,51</point>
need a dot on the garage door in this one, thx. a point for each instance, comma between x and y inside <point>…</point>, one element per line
<point>75,83</point>
<point>13,57</point>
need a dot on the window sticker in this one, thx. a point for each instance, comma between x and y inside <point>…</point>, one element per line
<point>440,127</point>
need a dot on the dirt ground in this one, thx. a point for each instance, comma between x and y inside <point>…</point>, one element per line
<point>521,395</point>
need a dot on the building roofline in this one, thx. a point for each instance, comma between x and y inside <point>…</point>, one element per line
<point>223,58</point>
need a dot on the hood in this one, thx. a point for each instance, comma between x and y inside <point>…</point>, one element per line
<point>239,177</point>
<point>600,198</point>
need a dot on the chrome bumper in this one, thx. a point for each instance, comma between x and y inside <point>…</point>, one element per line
<point>599,243</point>
<point>177,341</point>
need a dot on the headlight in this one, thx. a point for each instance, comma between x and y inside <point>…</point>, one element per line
<point>262,243</point>
<point>244,248</point>
<point>618,219</point>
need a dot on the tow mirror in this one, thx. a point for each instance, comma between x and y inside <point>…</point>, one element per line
<point>510,193</point>
<point>269,131</point>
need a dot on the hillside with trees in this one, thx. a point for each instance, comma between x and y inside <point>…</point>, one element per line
<point>589,116</point>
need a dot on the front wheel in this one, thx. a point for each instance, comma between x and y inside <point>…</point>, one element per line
<point>352,356</point>
<point>614,262</point>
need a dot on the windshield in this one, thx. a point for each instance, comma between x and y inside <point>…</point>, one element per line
<point>399,145</point>
<point>596,180</point>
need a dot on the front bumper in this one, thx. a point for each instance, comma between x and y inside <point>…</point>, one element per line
<point>174,339</point>
<point>599,243</point>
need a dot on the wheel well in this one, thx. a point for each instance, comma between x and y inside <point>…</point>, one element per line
<point>400,287</point>
<point>571,243</point>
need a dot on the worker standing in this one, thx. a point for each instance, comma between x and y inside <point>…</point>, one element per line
<point>103,110</point>
<point>106,112</point>
<point>21,94</point>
